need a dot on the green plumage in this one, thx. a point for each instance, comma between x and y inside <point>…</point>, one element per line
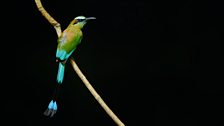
<point>67,43</point>
<point>70,38</point>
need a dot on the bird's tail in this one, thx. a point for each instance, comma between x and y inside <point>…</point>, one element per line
<point>52,106</point>
<point>61,70</point>
<point>51,109</point>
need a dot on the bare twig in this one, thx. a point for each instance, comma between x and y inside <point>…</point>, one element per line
<point>50,19</point>
<point>95,94</point>
<point>57,27</point>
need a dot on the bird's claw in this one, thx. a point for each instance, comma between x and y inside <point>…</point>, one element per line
<point>61,61</point>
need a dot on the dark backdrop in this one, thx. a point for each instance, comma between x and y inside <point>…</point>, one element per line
<point>154,63</point>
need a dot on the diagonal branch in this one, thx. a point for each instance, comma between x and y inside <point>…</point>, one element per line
<point>50,19</point>
<point>57,27</point>
<point>95,94</point>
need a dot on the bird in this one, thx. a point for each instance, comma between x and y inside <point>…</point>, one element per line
<point>68,41</point>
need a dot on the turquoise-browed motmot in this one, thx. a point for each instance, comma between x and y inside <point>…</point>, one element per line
<point>67,43</point>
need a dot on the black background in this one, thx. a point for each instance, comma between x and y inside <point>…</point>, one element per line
<point>154,63</point>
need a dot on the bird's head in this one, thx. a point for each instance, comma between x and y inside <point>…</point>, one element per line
<point>81,21</point>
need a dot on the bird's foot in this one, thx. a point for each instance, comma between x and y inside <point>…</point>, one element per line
<point>61,61</point>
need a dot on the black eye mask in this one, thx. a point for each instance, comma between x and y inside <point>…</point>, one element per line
<point>80,20</point>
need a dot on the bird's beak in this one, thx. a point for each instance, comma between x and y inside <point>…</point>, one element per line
<point>90,18</point>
